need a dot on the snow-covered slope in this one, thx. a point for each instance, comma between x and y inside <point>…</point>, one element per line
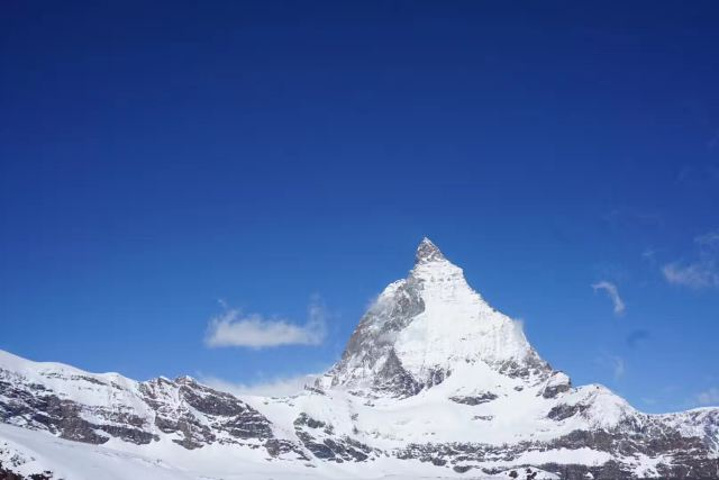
<point>427,327</point>
<point>433,383</point>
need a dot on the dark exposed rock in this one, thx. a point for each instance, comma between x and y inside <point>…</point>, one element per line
<point>484,418</point>
<point>532,366</point>
<point>475,399</point>
<point>132,435</point>
<point>436,376</point>
<point>564,411</point>
<point>427,252</point>
<point>394,379</point>
<point>689,454</point>
<point>553,389</point>
<point>226,413</point>
<point>33,405</point>
<point>209,401</point>
<point>312,389</point>
<point>305,419</point>
<point>321,442</point>
<point>276,447</point>
<point>318,449</point>
<point>249,425</point>
<point>372,347</point>
<point>64,417</point>
<point>6,474</point>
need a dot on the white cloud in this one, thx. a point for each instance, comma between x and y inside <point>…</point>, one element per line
<point>276,387</point>
<point>698,275</point>
<point>649,253</point>
<point>232,329</point>
<point>709,397</point>
<point>613,294</point>
<point>703,272</point>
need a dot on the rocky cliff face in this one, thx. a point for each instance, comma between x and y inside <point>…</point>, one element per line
<point>84,407</point>
<point>432,374</point>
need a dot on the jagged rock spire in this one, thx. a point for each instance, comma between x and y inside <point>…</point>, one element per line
<point>428,252</point>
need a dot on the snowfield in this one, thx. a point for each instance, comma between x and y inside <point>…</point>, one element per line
<point>28,452</point>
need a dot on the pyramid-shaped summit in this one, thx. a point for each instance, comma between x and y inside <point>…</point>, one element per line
<point>428,326</point>
<point>428,252</point>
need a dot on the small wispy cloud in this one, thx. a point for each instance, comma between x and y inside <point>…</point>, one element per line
<point>275,387</point>
<point>705,174</point>
<point>613,362</point>
<point>650,255</point>
<point>619,368</point>
<point>233,329</point>
<point>695,275</point>
<point>623,217</point>
<point>701,272</point>
<point>708,240</point>
<point>613,294</point>
<point>708,397</point>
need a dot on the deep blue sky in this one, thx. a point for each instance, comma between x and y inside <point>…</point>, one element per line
<point>156,158</point>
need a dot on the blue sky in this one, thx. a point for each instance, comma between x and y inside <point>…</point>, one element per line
<point>166,165</point>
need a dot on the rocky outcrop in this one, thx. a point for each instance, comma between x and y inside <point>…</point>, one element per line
<point>6,474</point>
<point>319,438</point>
<point>478,399</point>
<point>193,414</point>
<point>35,406</point>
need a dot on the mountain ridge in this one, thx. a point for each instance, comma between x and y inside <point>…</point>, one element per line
<point>433,382</point>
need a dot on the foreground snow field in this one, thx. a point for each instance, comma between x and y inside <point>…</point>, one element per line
<point>434,383</point>
<point>28,452</point>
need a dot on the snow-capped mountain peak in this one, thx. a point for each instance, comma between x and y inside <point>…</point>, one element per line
<point>423,328</point>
